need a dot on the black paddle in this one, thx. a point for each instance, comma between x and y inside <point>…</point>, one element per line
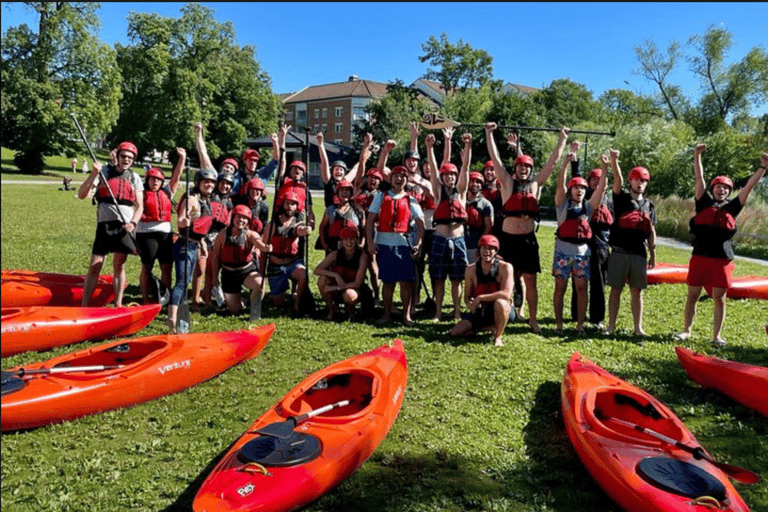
<point>64,369</point>
<point>182,314</point>
<point>742,475</point>
<point>284,429</point>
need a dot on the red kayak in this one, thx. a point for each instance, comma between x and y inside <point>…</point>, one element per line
<point>44,327</point>
<point>120,374</point>
<point>638,451</point>
<point>745,383</point>
<point>746,287</point>
<point>21,289</point>
<point>667,273</point>
<point>283,462</point>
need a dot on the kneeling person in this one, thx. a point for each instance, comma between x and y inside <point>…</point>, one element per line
<point>487,289</point>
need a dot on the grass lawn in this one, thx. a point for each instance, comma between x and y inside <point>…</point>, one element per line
<point>480,427</point>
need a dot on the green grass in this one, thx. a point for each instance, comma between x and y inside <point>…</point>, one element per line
<point>480,427</point>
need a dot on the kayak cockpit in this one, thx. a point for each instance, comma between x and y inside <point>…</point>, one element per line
<point>358,386</point>
<point>9,313</point>
<point>120,355</point>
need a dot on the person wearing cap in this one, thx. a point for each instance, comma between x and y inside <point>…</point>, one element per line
<point>520,193</point>
<point>341,213</point>
<point>285,264</point>
<point>713,227</point>
<point>233,254</point>
<point>341,276</point>
<point>480,215</point>
<point>390,217</point>
<point>154,232</point>
<point>633,230</point>
<point>449,249</point>
<point>571,257</point>
<point>487,289</point>
<point>332,174</point>
<point>120,207</point>
<point>251,167</point>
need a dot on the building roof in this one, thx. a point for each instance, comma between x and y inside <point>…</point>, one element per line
<point>351,88</point>
<point>523,90</point>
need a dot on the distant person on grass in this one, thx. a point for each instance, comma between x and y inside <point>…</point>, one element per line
<point>633,229</point>
<point>713,227</point>
<point>154,233</point>
<point>116,218</point>
<point>487,290</point>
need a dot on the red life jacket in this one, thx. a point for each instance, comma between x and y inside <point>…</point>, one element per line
<point>300,188</point>
<point>157,206</point>
<point>638,219</point>
<point>522,202</point>
<point>284,240</point>
<point>417,192</point>
<point>713,221</point>
<point>201,225</point>
<point>338,223</point>
<point>236,250</point>
<point>347,268</point>
<point>491,194</point>
<point>575,229</point>
<point>220,216</point>
<point>121,188</point>
<point>451,209</point>
<point>364,199</point>
<point>487,283</point>
<point>475,219</point>
<point>602,218</point>
<point>395,214</point>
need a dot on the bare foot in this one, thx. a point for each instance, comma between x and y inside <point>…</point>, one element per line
<point>498,342</point>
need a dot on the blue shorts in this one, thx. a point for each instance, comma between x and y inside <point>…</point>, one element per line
<point>449,257</point>
<point>280,277</point>
<point>565,265</point>
<point>395,263</point>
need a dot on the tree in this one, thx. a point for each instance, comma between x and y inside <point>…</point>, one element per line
<point>567,103</point>
<point>621,107</point>
<point>456,65</point>
<point>61,68</point>
<point>656,66</point>
<point>181,71</point>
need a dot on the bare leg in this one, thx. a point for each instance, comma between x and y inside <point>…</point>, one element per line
<point>718,297</point>
<point>636,300</point>
<point>118,266</point>
<point>501,310</point>
<point>407,297</point>
<point>694,292</point>
<point>532,298</point>
<point>561,284</point>
<point>581,302</point>
<point>614,300</point>
<point>91,278</point>
<point>387,296</point>
<point>456,290</point>
<point>438,287</point>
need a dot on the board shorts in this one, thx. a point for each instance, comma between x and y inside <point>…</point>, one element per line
<point>395,263</point>
<point>448,258</point>
<point>280,276</point>
<point>522,251</point>
<point>565,265</point>
<point>112,237</point>
<point>155,245</point>
<point>232,280</point>
<point>706,271</point>
<point>485,317</point>
<point>624,268</point>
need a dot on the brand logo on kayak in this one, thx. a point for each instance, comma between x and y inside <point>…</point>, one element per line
<point>245,490</point>
<point>397,394</point>
<point>175,366</point>
<point>15,328</point>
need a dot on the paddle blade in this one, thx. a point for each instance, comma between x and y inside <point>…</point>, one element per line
<point>742,475</point>
<point>281,430</point>
<point>182,319</point>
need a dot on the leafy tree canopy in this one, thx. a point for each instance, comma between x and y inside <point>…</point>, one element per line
<point>456,65</point>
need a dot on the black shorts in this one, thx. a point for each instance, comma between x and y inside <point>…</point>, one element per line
<point>112,237</point>
<point>232,280</point>
<point>155,245</point>
<point>483,317</point>
<point>522,251</point>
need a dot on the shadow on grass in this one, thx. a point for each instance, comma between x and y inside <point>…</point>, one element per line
<point>185,499</point>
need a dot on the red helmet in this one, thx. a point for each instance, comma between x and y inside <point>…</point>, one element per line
<point>349,232</point>
<point>595,173</point>
<point>722,180</point>
<point>489,240</point>
<point>639,173</point>
<point>476,176</point>
<point>154,172</point>
<point>243,210</point>
<point>127,146</point>
<point>489,164</point>
<point>253,183</point>
<point>344,184</point>
<point>230,161</point>
<point>524,159</point>
<point>250,154</point>
<point>290,195</point>
<point>375,173</point>
<point>578,181</point>
<point>299,164</point>
<point>399,170</point>
<point>449,167</point>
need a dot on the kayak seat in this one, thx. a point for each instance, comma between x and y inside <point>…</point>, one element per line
<point>10,383</point>
<point>681,478</point>
<point>355,385</point>
<point>273,451</point>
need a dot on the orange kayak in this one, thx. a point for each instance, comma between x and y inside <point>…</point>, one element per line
<point>746,287</point>
<point>667,273</point>
<point>745,383</point>
<point>637,470</point>
<point>281,465</point>
<point>20,288</point>
<point>44,327</point>
<point>120,374</point>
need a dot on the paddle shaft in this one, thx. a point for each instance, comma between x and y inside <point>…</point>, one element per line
<point>539,129</point>
<point>737,473</point>
<point>284,429</point>
<point>46,371</point>
<point>321,410</point>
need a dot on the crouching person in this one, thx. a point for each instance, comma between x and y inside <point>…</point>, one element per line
<point>233,253</point>
<point>487,290</point>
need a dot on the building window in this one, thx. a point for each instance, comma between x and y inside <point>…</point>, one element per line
<point>358,114</point>
<point>338,141</point>
<point>289,116</point>
<point>324,128</point>
<point>325,113</point>
<point>337,127</point>
<point>339,111</point>
<point>315,127</point>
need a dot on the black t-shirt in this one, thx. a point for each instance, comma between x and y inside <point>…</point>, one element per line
<point>713,243</point>
<point>629,241</point>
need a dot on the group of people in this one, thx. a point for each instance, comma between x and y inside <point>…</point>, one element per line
<point>382,224</point>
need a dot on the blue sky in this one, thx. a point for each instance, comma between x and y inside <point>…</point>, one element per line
<point>300,44</point>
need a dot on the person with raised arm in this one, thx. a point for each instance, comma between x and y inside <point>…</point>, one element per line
<point>713,227</point>
<point>572,250</point>
<point>250,163</point>
<point>631,232</point>
<point>332,174</point>
<point>480,216</point>
<point>365,190</point>
<point>520,194</point>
